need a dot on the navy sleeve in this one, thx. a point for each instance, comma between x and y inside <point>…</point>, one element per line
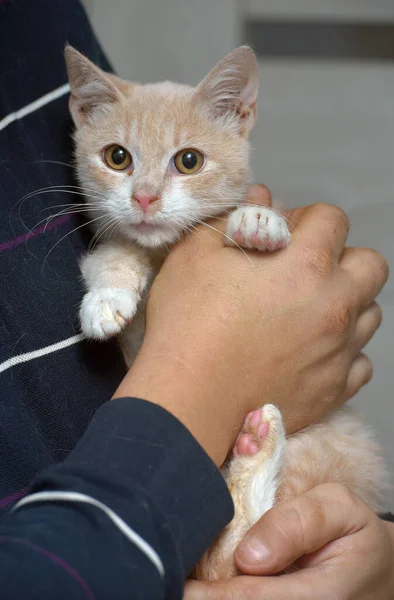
<point>145,466</point>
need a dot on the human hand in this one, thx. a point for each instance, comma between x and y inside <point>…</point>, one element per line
<point>228,331</point>
<point>342,548</point>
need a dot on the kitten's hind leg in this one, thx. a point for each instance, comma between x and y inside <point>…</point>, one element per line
<point>253,477</point>
<point>258,456</point>
<point>257,228</point>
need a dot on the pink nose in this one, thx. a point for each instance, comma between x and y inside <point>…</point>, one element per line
<point>144,200</point>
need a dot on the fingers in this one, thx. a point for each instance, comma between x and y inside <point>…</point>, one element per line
<point>361,369</point>
<point>321,226</point>
<point>360,374</point>
<point>367,323</point>
<point>201,590</point>
<point>258,194</point>
<point>297,527</point>
<point>253,588</point>
<point>368,270</point>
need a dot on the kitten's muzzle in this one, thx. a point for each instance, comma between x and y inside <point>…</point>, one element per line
<point>145,201</point>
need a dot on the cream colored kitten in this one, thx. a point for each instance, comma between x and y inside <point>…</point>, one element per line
<point>155,160</point>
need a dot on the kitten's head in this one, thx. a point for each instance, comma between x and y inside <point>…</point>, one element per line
<point>156,159</point>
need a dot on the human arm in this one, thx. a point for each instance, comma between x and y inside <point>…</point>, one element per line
<point>144,466</point>
<point>342,548</point>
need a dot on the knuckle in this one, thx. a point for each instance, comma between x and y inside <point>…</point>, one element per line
<point>318,260</point>
<point>289,525</point>
<point>368,370</point>
<point>332,213</point>
<point>380,264</point>
<point>342,495</point>
<point>229,592</point>
<point>339,215</point>
<point>378,314</point>
<point>368,374</point>
<point>348,499</point>
<point>258,194</point>
<point>375,265</point>
<point>264,190</point>
<point>339,316</point>
<point>314,512</point>
<point>334,382</point>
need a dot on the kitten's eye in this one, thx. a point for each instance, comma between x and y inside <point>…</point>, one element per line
<point>117,157</point>
<point>188,161</point>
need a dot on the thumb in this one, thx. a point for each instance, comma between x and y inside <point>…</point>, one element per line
<point>258,194</point>
<point>299,526</point>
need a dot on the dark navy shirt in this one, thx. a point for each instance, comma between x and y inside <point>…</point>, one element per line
<point>137,501</point>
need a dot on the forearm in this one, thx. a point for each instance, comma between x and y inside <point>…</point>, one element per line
<point>182,383</point>
<point>116,265</point>
<point>141,463</point>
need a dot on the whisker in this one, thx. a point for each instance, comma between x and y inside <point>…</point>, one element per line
<point>229,238</point>
<point>55,162</point>
<point>218,218</point>
<point>61,213</point>
<point>71,189</point>
<point>60,190</point>
<point>100,232</point>
<point>117,227</point>
<point>56,188</point>
<point>64,191</point>
<point>72,205</point>
<point>67,234</point>
<point>192,229</point>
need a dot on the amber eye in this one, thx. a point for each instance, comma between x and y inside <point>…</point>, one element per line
<point>117,157</point>
<point>188,161</point>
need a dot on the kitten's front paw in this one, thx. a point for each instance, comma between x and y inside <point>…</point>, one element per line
<point>105,312</point>
<point>258,228</point>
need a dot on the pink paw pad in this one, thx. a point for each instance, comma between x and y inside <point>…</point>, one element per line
<point>255,239</point>
<point>254,431</point>
<point>239,238</point>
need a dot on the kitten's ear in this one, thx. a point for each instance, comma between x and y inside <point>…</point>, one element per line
<point>90,86</point>
<point>232,87</point>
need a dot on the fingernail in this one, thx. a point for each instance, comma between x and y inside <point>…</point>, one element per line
<point>253,551</point>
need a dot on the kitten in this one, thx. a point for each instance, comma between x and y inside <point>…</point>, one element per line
<point>155,160</point>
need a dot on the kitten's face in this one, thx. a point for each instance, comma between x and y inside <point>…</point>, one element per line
<point>157,159</point>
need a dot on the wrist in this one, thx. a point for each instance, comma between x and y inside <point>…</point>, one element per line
<point>168,380</point>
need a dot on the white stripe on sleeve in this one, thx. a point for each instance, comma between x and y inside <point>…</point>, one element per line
<point>21,358</point>
<point>131,535</point>
<point>33,106</point>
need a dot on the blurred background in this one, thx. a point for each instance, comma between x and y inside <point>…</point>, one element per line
<point>325,130</point>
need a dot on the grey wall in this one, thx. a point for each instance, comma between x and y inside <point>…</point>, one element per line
<point>333,10</point>
<point>152,40</point>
